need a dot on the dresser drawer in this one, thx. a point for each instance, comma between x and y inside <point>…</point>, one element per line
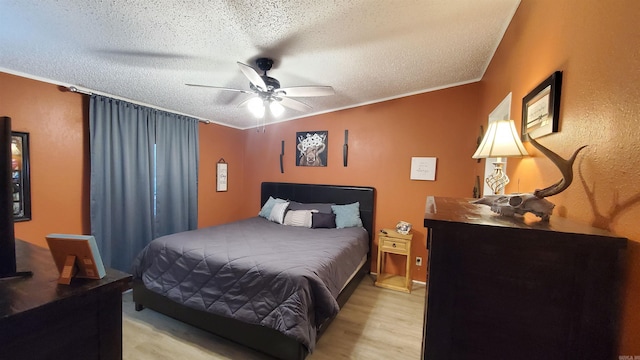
<point>393,245</point>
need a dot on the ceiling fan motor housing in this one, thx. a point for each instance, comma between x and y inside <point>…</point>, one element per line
<point>264,64</point>
<point>272,84</point>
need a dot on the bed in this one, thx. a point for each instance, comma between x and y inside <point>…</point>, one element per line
<point>285,323</point>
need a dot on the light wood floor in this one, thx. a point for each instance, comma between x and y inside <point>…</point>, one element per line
<point>374,324</point>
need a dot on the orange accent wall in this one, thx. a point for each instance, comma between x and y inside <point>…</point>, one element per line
<point>57,123</point>
<point>596,45</point>
<point>59,155</point>
<point>382,139</point>
<point>220,142</point>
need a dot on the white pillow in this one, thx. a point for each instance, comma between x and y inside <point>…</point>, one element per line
<point>299,218</point>
<point>277,213</point>
<point>268,206</point>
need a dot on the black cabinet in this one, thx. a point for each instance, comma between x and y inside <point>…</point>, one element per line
<point>518,288</point>
<point>40,319</point>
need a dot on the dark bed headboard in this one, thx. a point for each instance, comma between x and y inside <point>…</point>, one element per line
<point>337,194</point>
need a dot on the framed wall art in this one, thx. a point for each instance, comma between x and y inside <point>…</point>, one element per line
<point>221,175</point>
<point>311,148</point>
<point>541,108</point>
<point>20,177</point>
<point>423,168</point>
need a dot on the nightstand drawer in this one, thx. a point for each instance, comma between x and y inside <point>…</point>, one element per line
<point>393,245</point>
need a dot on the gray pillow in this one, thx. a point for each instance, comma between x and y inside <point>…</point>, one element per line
<point>322,220</point>
<point>321,207</point>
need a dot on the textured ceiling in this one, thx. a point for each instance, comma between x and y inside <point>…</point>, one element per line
<point>145,51</point>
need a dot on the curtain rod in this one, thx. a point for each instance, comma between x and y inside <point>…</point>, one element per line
<point>75,89</point>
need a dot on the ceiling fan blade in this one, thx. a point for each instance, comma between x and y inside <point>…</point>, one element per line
<point>252,75</point>
<point>293,104</point>
<point>307,91</point>
<point>246,101</point>
<point>221,88</point>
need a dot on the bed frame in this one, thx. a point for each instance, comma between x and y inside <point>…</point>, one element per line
<point>258,337</point>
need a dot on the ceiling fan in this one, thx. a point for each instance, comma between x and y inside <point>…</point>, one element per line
<point>269,93</point>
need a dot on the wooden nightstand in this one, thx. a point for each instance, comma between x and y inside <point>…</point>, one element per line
<point>390,241</point>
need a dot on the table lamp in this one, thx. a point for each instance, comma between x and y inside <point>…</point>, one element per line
<point>500,141</point>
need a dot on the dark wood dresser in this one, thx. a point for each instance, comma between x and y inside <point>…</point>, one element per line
<point>518,288</point>
<point>40,319</point>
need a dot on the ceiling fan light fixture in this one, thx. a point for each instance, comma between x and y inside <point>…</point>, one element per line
<point>276,108</point>
<point>256,107</point>
<point>268,92</point>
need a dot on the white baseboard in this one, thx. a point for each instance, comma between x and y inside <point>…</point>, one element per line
<point>413,281</point>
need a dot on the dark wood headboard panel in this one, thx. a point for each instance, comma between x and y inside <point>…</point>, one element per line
<point>337,194</point>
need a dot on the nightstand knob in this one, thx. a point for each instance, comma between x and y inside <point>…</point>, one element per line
<point>394,245</point>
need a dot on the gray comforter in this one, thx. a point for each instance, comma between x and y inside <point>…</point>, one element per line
<point>283,277</point>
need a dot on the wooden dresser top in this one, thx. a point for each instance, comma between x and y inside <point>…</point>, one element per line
<point>460,210</point>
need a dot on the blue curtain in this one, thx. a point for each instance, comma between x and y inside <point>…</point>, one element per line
<point>176,174</point>
<point>134,151</point>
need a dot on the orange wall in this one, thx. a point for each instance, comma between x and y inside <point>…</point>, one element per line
<point>596,45</point>
<point>57,123</point>
<point>382,139</point>
<point>59,156</point>
<point>220,142</point>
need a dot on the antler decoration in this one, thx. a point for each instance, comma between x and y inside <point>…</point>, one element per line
<point>535,203</point>
<point>564,165</point>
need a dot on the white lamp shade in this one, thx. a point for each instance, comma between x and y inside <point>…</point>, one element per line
<point>276,108</point>
<point>256,107</point>
<point>500,140</point>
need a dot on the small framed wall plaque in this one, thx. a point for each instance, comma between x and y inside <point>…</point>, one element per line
<point>423,168</point>
<point>221,175</point>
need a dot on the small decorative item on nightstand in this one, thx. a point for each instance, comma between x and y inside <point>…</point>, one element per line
<point>390,241</point>
<point>403,227</point>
